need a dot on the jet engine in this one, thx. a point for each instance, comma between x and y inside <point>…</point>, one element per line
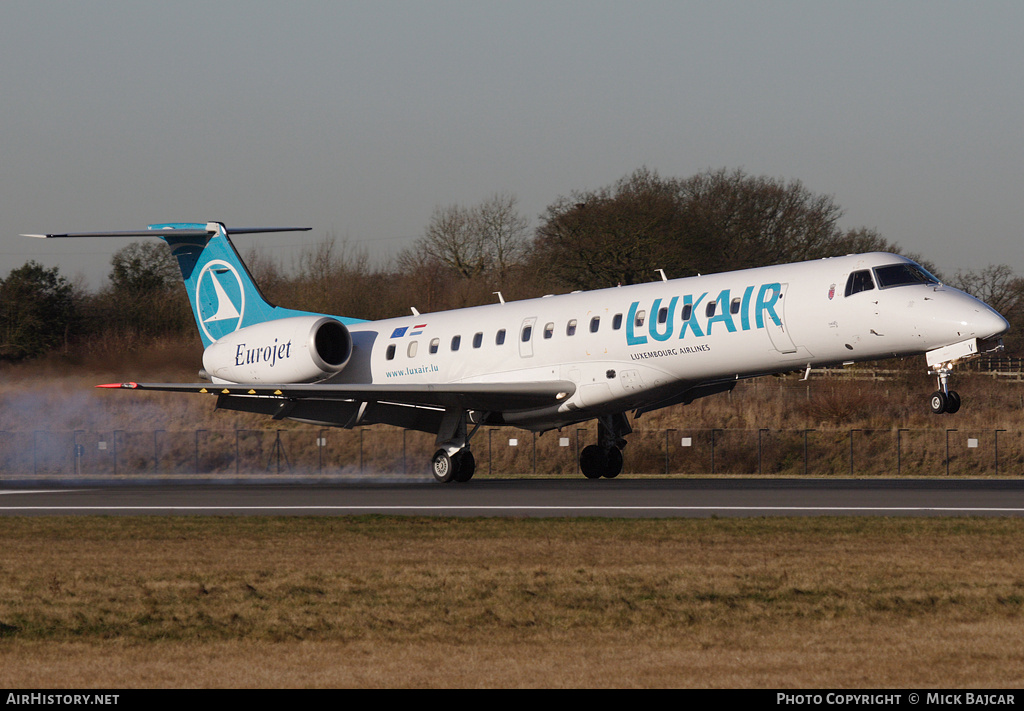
<point>302,349</point>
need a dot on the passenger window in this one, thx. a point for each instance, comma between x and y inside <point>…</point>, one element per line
<point>710,310</point>
<point>549,330</point>
<point>687,311</point>
<point>456,342</point>
<point>734,306</point>
<point>390,354</point>
<point>527,333</point>
<point>434,345</point>
<point>641,316</point>
<point>617,322</point>
<point>499,339</point>
<point>478,340</point>
<point>412,349</point>
<point>859,281</point>
<point>663,314</point>
<point>570,328</point>
<point>595,323</point>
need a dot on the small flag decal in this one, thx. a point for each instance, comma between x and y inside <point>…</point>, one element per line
<point>403,330</point>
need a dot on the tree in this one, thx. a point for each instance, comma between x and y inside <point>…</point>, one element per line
<point>1002,289</point>
<point>145,296</point>
<point>38,310</point>
<point>859,240</point>
<point>144,267</point>
<point>485,240</point>
<point>335,277</point>
<point>713,221</point>
<point>734,221</point>
<point>451,240</point>
<point>502,231</point>
<point>996,285</point>
<point>614,235</point>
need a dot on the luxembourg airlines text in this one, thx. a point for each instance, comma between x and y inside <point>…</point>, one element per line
<point>644,355</point>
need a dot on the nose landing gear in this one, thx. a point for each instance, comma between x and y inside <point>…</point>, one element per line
<point>940,364</point>
<point>944,400</point>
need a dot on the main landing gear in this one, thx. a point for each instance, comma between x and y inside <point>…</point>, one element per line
<point>604,459</point>
<point>453,461</point>
<point>458,467</point>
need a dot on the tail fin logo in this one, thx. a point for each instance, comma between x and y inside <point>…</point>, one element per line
<point>220,299</point>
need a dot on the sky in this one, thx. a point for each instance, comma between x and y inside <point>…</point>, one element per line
<point>358,119</point>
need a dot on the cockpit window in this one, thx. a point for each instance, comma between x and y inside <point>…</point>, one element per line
<point>859,281</point>
<point>902,275</point>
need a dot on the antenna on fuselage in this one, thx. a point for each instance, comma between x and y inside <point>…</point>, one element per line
<point>663,277</point>
<point>500,297</point>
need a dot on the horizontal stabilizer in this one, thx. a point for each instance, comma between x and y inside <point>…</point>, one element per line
<point>177,232</point>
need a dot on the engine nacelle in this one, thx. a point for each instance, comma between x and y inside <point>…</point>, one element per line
<point>302,349</point>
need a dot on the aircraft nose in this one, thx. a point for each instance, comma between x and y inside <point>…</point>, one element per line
<point>990,323</point>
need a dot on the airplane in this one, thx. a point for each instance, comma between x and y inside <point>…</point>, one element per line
<point>549,362</point>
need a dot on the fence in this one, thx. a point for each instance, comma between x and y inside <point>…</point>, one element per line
<point>505,452</point>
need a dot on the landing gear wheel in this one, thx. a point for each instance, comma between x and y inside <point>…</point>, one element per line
<point>938,402</point>
<point>465,465</point>
<point>604,459</point>
<point>592,462</point>
<point>613,464</point>
<point>952,401</point>
<point>442,467</point>
<point>596,462</point>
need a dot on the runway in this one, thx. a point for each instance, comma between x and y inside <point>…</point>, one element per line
<point>631,498</point>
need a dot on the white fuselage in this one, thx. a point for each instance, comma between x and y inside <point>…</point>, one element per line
<point>544,363</point>
<point>624,347</point>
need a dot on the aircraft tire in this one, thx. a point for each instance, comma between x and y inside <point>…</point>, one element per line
<point>465,466</point>
<point>592,462</point>
<point>443,467</point>
<point>952,401</point>
<point>613,463</point>
<point>938,402</point>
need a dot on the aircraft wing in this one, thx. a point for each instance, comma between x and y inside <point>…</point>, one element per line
<point>494,397</point>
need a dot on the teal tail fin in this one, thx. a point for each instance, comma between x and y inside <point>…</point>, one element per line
<point>223,295</point>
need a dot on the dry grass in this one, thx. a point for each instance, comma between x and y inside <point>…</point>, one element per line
<point>55,395</point>
<point>386,602</point>
<point>45,410</point>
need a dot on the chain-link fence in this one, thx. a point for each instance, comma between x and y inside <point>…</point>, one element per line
<point>509,452</point>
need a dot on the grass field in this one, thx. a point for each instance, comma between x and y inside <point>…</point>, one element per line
<point>126,602</point>
<point>413,602</point>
